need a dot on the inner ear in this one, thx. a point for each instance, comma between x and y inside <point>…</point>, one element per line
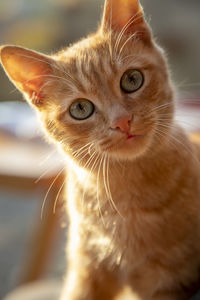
<point>29,70</point>
<point>119,13</point>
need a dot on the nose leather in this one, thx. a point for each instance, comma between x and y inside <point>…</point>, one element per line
<point>122,123</point>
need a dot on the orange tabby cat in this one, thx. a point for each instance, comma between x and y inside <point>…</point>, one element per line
<point>133,176</point>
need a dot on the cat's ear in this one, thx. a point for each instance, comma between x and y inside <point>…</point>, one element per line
<point>125,16</point>
<point>28,70</point>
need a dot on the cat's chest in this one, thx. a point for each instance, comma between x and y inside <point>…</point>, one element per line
<point>110,223</point>
<point>121,242</point>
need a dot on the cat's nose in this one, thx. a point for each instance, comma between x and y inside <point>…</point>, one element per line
<point>122,123</point>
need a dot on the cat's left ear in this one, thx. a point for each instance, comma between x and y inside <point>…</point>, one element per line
<point>28,70</point>
<point>126,17</point>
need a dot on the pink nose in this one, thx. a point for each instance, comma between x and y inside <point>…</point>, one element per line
<point>123,123</point>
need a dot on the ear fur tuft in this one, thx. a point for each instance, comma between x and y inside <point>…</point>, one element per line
<point>125,16</point>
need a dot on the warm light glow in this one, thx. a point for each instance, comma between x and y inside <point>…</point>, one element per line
<point>127,294</point>
<point>81,174</point>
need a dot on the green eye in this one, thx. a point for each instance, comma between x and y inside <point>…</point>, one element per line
<point>81,109</point>
<point>131,81</point>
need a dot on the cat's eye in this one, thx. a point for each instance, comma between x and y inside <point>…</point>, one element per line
<point>81,109</point>
<point>131,81</point>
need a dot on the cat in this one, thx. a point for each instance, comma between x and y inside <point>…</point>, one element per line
<point>133,175</point>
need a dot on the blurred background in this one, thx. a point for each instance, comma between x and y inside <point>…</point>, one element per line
<point>28,166</point>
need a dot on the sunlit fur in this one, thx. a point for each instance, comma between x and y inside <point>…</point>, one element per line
<point>98,80</point>
<point>133,205</point>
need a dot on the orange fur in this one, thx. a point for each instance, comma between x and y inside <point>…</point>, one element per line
<point>133,205</point>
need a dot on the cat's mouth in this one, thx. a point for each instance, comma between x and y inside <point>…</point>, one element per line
<point>125,142</point>
<point>127,146</point>
<point>134,137</point>
<point>130,136</point>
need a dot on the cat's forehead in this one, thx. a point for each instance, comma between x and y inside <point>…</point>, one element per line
<point>91,64</point>
<point>96,62</point>
<point>103,52</point>
<point>90,54</point>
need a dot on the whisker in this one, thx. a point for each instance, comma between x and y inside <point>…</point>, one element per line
<point>64,141</point>
<point>43,174</point>
<point>184,146</point>
<point>125,27</point>
<point>127,40</point>
<point>79,153</point>
<point>50,76</point>
<point>84,155</point>
<point>98,200</point>
<point>47,157</point>
<point>58,195</point>
<point>168,115</point>
<point>55,66</point>
<point>90,147</point>
<point>89,174</point>
<point>89,160</point>
<point>127,56</point>
<point>109,190</point>
<point>47,193</point>
<point>107,187</point>
<point>104,179</point>
<point>163,135</point>
<point>85,146</point>
<point>160,107</point>
<point>16,89</point>
<point>177,121</point>
<point>46,84</point>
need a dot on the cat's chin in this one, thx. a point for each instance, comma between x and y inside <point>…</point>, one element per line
<point>130,148</point>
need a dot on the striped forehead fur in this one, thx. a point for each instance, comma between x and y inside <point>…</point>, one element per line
<point>85,64</point>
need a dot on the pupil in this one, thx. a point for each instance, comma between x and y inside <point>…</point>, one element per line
<point>80,106</point>
<point>132,79</point>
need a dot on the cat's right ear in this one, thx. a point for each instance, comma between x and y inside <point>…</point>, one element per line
<point>28,70</point>
<point>125,17</point>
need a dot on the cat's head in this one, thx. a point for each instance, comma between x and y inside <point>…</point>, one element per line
<point>109,93</point>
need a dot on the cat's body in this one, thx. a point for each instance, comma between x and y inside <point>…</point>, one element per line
<point>133,176</point>
<point>155,248</point>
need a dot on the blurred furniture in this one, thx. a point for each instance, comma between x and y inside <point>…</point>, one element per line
<point>27,163</point>
<point>41,290</point>
<point>188,115</point>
